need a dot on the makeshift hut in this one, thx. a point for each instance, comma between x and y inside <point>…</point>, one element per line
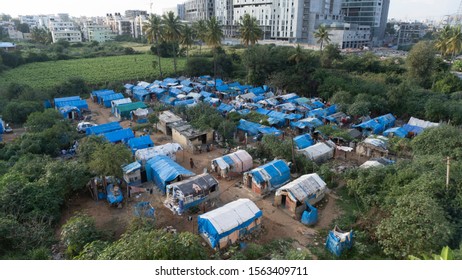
<point>124,110</point>
<point>70,112</point>
<point>58,101</point>
<point>224,226</point>
<point>268,177</point>
<point>294,195</point>
<point>165,119</point>
<point>169,150</point>
<point>116,102</point>
<point>114,195</point>
<point>162,170</point>
<point>319,152</point>
<point>131,174</point>
<point>190,138</point>
<point>373,147</point>
<point>107,99</point>
<point>128,89</point>
<point>421,123</point>
<point>239,161</point>
<point>191,192</point>
<point>395,131</point>
<point>376,125</point>
<point>140,115</point>
<point>122,135</point>
<point>303,141</point>
<point>97,95</point>
<point>103,128</point>
<point>139,143</point>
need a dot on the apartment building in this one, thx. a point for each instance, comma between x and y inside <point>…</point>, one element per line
<point>350,36</point>
<point>97,32</point>
<point>373,13</point>
<point>198,9</point>
<point>64,30</point>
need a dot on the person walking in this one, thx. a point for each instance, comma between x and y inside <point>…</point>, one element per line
<point>191,163</point>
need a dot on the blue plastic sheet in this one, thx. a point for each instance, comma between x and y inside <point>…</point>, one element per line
<point>337,244</point>
<point>140,143</point>
<point>113,197</point>
<point>122,135</point>
<point>303,141</point>
<point>103,128</point>
<point>163,170</point>
<point>396,131</point>
<point>278,170</point>
<point>310,215</point>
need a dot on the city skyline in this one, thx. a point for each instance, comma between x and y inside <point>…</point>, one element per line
<point>403,10</point>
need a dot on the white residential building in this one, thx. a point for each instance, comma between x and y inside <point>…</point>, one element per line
<point>64,30</point>
<point>199,9</point>
<point>95,32</point>
<point>350,36</point>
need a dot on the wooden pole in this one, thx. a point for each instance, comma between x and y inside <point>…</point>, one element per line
<point>448,164</point>
<point>293,155</point>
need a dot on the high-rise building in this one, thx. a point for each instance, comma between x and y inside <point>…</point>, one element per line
<point>373,13</point>
<point>198,9</point>
<point>134,13</point>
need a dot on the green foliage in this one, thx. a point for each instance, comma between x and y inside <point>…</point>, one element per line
<point>155,245</point>
<point>197,66</point>
<point>421,63</point>
<point>92,250</point>
<point>39,121</point>
<point>77,232</point>
<point>457,65</point>
<point>448,83</point>
<point>107,159</point>
<point>416,224</point>
<point>17,111</point>
<point>445,255</point>
<point>443,141</point>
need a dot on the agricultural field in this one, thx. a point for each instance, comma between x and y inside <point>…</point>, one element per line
<point>101,70</point>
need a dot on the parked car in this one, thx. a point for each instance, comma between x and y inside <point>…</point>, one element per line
<point>8,128</point>
<point>82,126</point>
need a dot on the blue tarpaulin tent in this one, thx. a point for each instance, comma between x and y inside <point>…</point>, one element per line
<point>317,104</point>
<point>307,123</point>
<point>257,90</point>
<point>69,98</point>
<point>310,215</point>
<point>263,111</point>
<point>167,99</point>
<point>303,141</point>
<point>108,98</point>
<point>270,176</point>
<point>207,94</point>
<point>158,92</point>
<point>225,225</point>
<point>103,128</point>
<point>396,131</point>
<point>170,81</point>
<point>114,195</point>
<point>225,108</point>
<point>187,89</point>
<point>163,170</point>
<point>80,104</point>
<point>186,83</point>
<point>413,129</point>
<point>174,92</point>
<point>97,94</point>
<point>377,125</point>
<point>138,143</point>
<point>235,84</point>
<point>2,126</point>
<point>140,93</point>
<point>250,127</point>
<point>184,102</point>
<point>222,87</point>
<point>269,130</point>
<point>122,135</point>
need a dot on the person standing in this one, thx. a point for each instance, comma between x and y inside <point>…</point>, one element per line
<point>191,163</point>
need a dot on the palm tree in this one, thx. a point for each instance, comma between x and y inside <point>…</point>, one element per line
<point>187,38</point>
<point>200,27</point>
<point>213,36</point>
<point>172,32</point>
<point>153,32</point>
<point>250,31</point>
<point>323,35</point>
<point>298,56</point>
<point>441,43</point>
<point>455,42</point>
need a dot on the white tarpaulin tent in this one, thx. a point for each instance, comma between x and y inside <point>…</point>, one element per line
<point>239,161</point>
<point>141,113</point>
<point>169,149</point>
<point>225,225</point>
<point>421,123</point>
<point>309,187</point>
<point>114,103</point>
<point>319,152</point>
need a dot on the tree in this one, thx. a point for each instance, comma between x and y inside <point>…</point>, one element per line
<point>88,146</point>
<point>23,27</point>
<point>153,30</point>
<point>249,30</point>
<point>172,32</point>
<point>200,29</point>
<point>330,54</point>
<point>17,111</point>
<point>298,56</point>
<point>421,63</point>
<point>417,224</point>
<point>442,42</point>
<point>41,36</point>
<point>77,232</point>
<point>213,37</point>
<point>108,158</point>
<point>322,34</point>
<point>455,42</point>
<point>444,141</point>
<point>187,38</point>
<point>39,121</point>
<point>155,245</point>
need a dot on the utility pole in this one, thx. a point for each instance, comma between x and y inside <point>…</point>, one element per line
<point>448,164</point>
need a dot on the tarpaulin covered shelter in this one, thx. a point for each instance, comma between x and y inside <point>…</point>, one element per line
<point>139,143</point>
<point>395,131</point>
<point>141,94</point>
<point>97,94</point>
<point>57,101</point>
<point>252,128</point>
<point>191,192</point>
<point>206,94</point>
<point>140,115</point>
<point>128,88</point>
<point>124,110</point>
<point>239,161</point>
<point>78,103</point>
<point>122,135</point>
<point>268,177</point>
<point>376,162</point>
<point>224,226</point>
<point>174,92</point>
<point>162,170</point>
<point>339,241</point>
<point>307,123</point>
<point>132,174</point>
<point>70,112</point>
<point>116,102</point>
<point>225,108</point>
<point>103,128</point>
<point>373,147</point>
<point>303,141</point>
<point>421,123</point>
<point>108,98</point>
<point>169,149</point>
<point>293,196</point>
<point>158,92</point>
<point>412,129</point>
<point>319,152</point>
<point>376,125</point>
<point>114,194</point>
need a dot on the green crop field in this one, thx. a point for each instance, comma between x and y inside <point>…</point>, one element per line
<point>95,71</point>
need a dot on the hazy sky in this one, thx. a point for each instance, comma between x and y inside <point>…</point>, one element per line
<point>400,9</point>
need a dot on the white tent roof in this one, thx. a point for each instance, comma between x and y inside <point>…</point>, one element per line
<point>121,101</point>
<point>422,123</point>
<point>166,150</point>
<point>143,84</point>
<point>194,95</point>
<point>303,187</point>
<point>370,163</point>
<point>231,215</point>
<point>241,158</point>
<point>141,112</point>
<point>317,150</point>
